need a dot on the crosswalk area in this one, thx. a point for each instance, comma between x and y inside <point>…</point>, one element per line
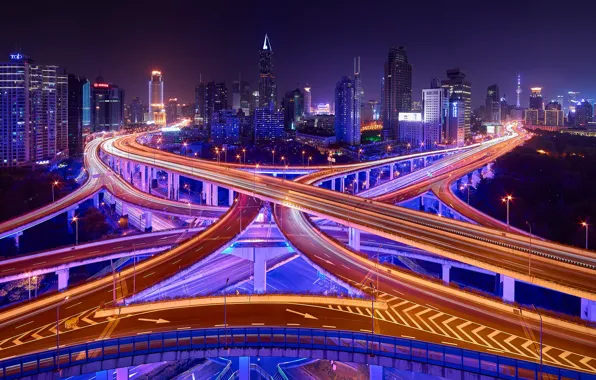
<point>451,329</point>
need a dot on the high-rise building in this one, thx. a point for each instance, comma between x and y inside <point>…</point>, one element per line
<point>435,108</point>
<point>456,121</point>
<point>411,128</point>
<point>225,127</point>
<point>347,125</point>
<point>370,111</point>
<point>245,97</point>
<point>358,100</point>
<point>107,106</point>
<point>79,104</point>
<point>216,99</point>
<point>397,93</point>
<point>172,110</point>
<point>62,115</point>
<point>307,100</point>
<point>584,114</point>
<point>493,104</point>
<point>136,110</point>
<point>156,101</point>
<point>267,86</point>
<point>268,126</point>
<point>236,95</point>
<point>200,100</point>
<point>460,93</point>
<point>293,106</point>
<point>553,115</point>
<point>536,102</point>
<point>504,109</point>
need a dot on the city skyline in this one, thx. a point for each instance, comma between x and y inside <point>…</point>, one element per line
<point>318,56</point>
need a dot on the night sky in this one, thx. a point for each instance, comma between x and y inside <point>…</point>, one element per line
<point>551,43</point>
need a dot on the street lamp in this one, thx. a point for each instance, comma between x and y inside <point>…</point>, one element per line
<point>238,158</point>
<point>506,200</point>
<point>372,303</point>
<point>54,184</point>
<point>225,154</point>
<point>530,255</point>
<point>463,187</point>
<point>540,315</point>
<point>303,152</point>
<point>226,315</point>
<point>359,152</point>
<point>244,152</point>
<point>217,153</point>
<point>58,332</point>
<point>309,160</point>
<point>584,224</point>
<point>185,149</point>
<point>273,155</point>
<point>255,178</point>
<point>408,148</point>
<point>388,149</point>
<point>76,221</point>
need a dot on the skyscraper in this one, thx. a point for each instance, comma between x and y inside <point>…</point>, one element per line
<point>293,106</point>
<point>156,102</point>
<point>435,108</point>
<point>172,110</point>
<point>200,100</point>
<point>107,106</point>
<point>584,114</point>
<point>225,127</point>
<point>460,93</point>
<point>267,86</point>
<point>536,102</point>
<point>216,99</point>
<point>493,104</point>
<point>307,100</point>
<point>456,121</point>
<point>358,99</point>
<point>346,130</point>
<point>236,95</point>
<point>79,101</point>
<point>553,115</point>
<point>397,94</point>
<point>33,112</point>
<point>136,110</point>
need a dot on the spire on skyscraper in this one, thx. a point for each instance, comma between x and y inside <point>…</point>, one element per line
<point>267,44</point>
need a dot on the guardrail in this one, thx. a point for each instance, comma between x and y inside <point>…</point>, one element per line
<point>283,338</point>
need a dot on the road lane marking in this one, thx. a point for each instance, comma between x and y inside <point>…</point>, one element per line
<point>147,275</point>
<point>329,327</point>
<point>258,324</point>
<point>408,337</point>
<point>24,324</point>
<point>293,324</point>
<point>453,344</point>
<point>78,303</point>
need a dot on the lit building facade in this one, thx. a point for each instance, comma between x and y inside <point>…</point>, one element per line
<point>156,101</point>
<point>397,91</point>
<point>79,112</point>
<point>225,127</point>
<point>268,126</point>
<point>460,93</point>
<point>307,100</point>
<point>456,122</point>
<point>172,110</point>
<point>293,107</point>
<point>347,126</point>
<point>107,106</point>
<point>411,128</point>
<point>435,109</point>
<point>493,104</point>
<point>267,86</point>
<point>136,111</point>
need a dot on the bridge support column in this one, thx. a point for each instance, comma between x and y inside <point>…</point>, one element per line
<point>355,183</point>
<point>367,183</point>
<point>440,208</point>
<point>214,194</point>
<point>122,373</point>
<point>144,186</point>
<point>169,185</point>
<point>207,192</point>
<point>375,372</point>
<point>96,200</point>
<point>244,368</point>
<point>260,270</point>
<point>390,171</point>
<point>230,197</point>
<point>342,184</point>
<point>588,310</point>
<point>176,188</point>
<point>148,217</point>
<point>446,274</point>
<point>101,375</point>
<point>333,184</point>
<point>508,287</point>
<point>63,275</point>
<point>354,238</point>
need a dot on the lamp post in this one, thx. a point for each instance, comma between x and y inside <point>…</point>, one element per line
<point>359,152</point>
<point>226,315</point>
<point>506,200</point>
<point>530,254</point>
<point>225,154</point>
<point>585,224</point>
<point>238,158</point>
<point>388,149</point>
<point>408,148</point>
<point>29,276</point>
<point>54,184</point>
<point>255,178</point>
<point>303,152</point>
<point>244,153</point>
<point>273,157</point>
<point>76,221</point>
<point>463,187</point>
<point>285,168</point>
<point>58,333</point>
<point>185,149</point>
<point>309,160</point>
<point>372,303</point>
<point>540,315</point>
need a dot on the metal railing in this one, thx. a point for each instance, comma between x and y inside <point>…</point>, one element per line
<point>283,338</point>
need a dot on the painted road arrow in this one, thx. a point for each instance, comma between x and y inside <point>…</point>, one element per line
<point>156,321</point>
<point>305,315</point>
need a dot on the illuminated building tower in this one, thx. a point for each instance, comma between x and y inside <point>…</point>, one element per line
<point>107,106</point>
<point>79,112</point>
<point>268,126</point>
<point>307,100</point>
<point>435,107</point>
<point>456,121</point>
<point>536,102</point>
<point>136,111</point>
<point>584,114</point>
<point>411,128</point>
<point>518,91</point>
<point>553,115</point>
<point>62,115</point>
<point>267,86</point>
<point>172,110</point>
<point>493,104</point>
<point>200,100</point>
<point>358,99</point>
<point>397,91</point>
<point>346,130</point>
<point>293,107</point>
<point>156,103</point>
<point>460,91</point>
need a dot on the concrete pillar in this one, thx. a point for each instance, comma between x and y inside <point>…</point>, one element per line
<point>230,197</point>
<point>148,216</point>
<point>367,184</point>
<point>260,270</point>
<point>63,275</point>
<point>342,184</point>
<point>508,287</point>
<point>244,367</point>
<point>214,194</point>
<point>122,373</point>
<point>101,375</point>
<point>375,372</point>
<point>333,184</point>
<point>411,165</point>
<point>144,186</point>
<point>176,188</point>
<point>390,171</point>
<point>169,185</point>
<point>445,276</point>
<point>207,193</point>
<point>355,184</point>
<point>17,239</point>
<point>96,200</point>
<point>588,310</point>
<point>354,238</point>
<point>440,208</point>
